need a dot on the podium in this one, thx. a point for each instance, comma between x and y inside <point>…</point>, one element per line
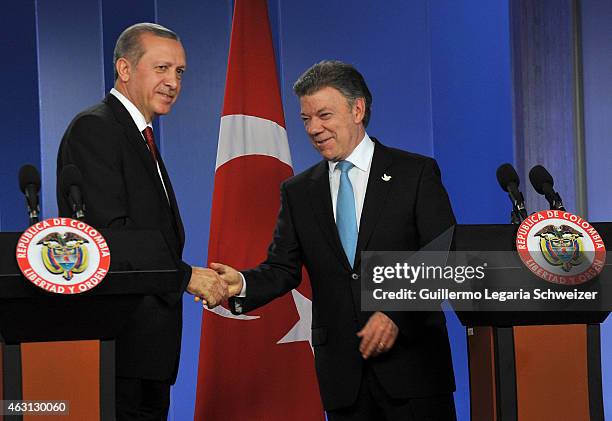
<point>141,265</point>
<point>531,365</point>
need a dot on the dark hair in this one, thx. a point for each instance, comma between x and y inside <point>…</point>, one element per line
<point>129,46</point>
<point>335,74</point>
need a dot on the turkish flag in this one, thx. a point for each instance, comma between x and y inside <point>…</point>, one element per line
<point>258,366</point>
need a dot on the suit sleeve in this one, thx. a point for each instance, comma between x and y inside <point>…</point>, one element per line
<point>280,272</point>
<point>91,144</point>
<point>434,215</point>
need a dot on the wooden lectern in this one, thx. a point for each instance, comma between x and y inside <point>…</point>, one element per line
<point>61,347</point>
<point>531,366</point>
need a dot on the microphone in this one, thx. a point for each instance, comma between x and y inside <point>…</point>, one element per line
<point>29,184</point>
<point>543,183</point>
<point>509,181</point>
<point>71,185</point>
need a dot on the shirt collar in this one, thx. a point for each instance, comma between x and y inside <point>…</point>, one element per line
<point>361,157</point>
<point>136,115</point>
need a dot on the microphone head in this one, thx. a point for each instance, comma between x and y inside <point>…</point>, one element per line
<point>539,177</point>
<point>506,175</point>
<point>71,176</point>
<point>28,174</point>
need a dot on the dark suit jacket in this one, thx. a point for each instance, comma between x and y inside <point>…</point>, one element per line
<point>122,190</point>
<point>404,213</point>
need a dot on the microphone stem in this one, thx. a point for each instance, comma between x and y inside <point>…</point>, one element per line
<point>514,218</point>
<point>33,215</point>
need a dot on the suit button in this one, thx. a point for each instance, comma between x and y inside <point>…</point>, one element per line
<point>355,276</point>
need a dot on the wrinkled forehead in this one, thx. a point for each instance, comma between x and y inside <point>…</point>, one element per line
<point>161,46</point>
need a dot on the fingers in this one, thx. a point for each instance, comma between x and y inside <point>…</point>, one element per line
<point>219,267</point>
<point>198,299</point>
<point>365,347</point>
<point>215,291</point>
<point>377,336</point>
<point>208,286</point>
<point>229,275</point>
<point>371,337</point>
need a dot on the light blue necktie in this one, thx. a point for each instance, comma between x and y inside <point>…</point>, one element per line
<point>346,219</point>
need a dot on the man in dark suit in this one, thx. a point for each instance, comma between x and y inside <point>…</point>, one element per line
<point>126,186</point>
<point>362,196</point>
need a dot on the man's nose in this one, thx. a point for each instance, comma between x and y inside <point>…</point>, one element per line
<point>314,127</point>
<point>172,80</point>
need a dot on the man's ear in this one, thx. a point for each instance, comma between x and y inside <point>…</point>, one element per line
<point>358,110</point>
<point>123,68</point>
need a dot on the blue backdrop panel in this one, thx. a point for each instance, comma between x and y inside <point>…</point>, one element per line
<point>597,84</point>
<point>189,138</point>
<point>113,23</point>
<point>71,76</point>
<point>20,140</point>
<point>471,87</point>
<point>471,96</point>
<point>389,45</point>
<point>544,101</point>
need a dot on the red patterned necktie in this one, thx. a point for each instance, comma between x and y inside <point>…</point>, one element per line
<point>148,135</point>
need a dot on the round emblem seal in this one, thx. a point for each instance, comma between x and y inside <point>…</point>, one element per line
<point>63,256</point>
<point>560,247</point>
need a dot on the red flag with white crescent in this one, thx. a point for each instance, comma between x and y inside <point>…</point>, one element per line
<point>258,366</point>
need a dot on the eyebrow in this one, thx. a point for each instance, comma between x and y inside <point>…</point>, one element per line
<point>169,64</point>
<point>319,111</point>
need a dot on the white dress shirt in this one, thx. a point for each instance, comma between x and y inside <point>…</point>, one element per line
<point>141,123</point>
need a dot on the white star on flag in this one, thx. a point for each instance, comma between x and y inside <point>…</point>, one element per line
<point>301,330</point>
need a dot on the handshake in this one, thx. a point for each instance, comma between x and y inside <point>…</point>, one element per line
<point>215,284</point>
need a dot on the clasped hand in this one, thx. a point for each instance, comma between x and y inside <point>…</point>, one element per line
<point>213,286</point>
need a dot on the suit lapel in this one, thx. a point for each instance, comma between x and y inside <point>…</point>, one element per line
<point>138,145</point>
<point>173,203</point>
<point>135,138</point>
<point>376,196</point>
<point>322,208</point>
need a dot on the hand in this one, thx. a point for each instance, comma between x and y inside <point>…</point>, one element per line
<point>231,276</point>
<point>207,286</point>
<point>377,336</point>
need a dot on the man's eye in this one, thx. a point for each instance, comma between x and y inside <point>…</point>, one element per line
<point>180,72</point>
<point>325,116</point>
<point>161,68</point>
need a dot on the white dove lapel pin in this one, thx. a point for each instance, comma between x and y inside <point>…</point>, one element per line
<point>386,177</point>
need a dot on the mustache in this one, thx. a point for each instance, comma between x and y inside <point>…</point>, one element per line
<point>169,92</point>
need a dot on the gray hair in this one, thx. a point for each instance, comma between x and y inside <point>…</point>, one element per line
<point>335,74</point>
<point>128,44</point>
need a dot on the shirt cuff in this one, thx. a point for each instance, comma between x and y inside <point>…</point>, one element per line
<point>242,293</point>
